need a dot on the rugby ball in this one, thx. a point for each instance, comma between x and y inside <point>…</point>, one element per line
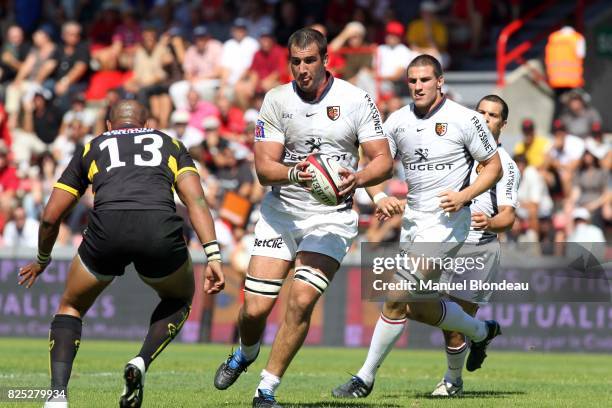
<point>325,178</point>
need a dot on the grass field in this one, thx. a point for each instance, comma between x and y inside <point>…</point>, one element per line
<point>182,377</point>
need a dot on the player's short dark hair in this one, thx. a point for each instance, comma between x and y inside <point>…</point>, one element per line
<point>424,60</point>
<point>128,112</point>
<point>494,98</point>
<point>303,37</point>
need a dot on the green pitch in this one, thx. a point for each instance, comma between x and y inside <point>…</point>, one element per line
<point>183,377</point>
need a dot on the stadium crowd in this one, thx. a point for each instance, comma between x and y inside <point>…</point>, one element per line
<point>202,68</point>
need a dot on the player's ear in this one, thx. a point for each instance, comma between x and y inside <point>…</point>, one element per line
<point>109,125</point>
<point>440,81</point>
<point>325,59</point>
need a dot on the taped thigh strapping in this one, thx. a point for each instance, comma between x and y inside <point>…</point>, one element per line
<point>263,287</point>
<point>312,277</point>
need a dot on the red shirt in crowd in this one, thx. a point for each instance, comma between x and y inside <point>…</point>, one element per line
<point>266,63</point>
<point>5,133</point>
<point>233,122</point>
<point>8,179</point>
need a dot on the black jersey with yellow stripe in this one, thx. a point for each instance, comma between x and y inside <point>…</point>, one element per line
<point>129,169</point>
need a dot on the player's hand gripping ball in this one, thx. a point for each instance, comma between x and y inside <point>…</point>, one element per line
<point>325,179</point>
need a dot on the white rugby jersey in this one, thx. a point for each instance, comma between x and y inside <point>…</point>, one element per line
<point>438,150</point>
<point>344,117</point>
<point>504,193</point>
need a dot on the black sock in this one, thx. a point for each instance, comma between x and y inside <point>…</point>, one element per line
<point>166,321</point>
<point>64,341</point>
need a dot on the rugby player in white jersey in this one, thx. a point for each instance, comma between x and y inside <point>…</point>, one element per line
<point>492,212</point>
<point>438,142</point>
<point>314,113</point>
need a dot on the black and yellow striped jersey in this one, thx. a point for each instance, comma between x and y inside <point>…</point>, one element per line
<point>129,169</point>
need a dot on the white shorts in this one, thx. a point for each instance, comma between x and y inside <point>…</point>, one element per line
<point>436,236</point>
<point>435,227</point>
<point>485,258</point>
<point>281,235</point>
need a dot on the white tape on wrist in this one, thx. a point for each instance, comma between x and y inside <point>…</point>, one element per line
<point>212,251</point>
<point>379,196</point>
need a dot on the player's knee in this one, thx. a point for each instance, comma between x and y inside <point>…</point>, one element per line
<point>300,304</point>
<point>69,305</point>
<point>395,310</point>
<point>256,310</point>
<point>419,313</point>
<point>454,339</point>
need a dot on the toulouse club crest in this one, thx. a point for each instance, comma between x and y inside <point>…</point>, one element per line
<point>333,112</point>
<point>441,128</point>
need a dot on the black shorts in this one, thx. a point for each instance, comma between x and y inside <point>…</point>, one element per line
<point>151,239</point>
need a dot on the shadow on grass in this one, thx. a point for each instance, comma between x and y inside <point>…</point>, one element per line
<point>340,404</point>
<point>474,394</point>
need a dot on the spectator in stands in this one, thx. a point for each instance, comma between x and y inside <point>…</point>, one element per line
<point>79,111</point>
<point>258,18</point>
<point>535,202</point>
<point>234,173</point>
<point>30,76</point>
<point>218,20</point>
<point>5,132</point>
<point>21,231</point>
<point>70,142</point>
<point>338,14</point>
<point>177,48</point>
<point>149,76</point>
<point>596,144</point>
<point>590,190</point>
<point>41,125</point>
<point>69,64</point>
<point>202,68</point>
<point>564,155</point>
<point>335,61</point>
<point>428,35</point>
<point>231,117</point>
<point>577,116</point>
<point>358,58</point>
<point>393,59</point>
<point>127,36</point>
<point>42,176</point>
<point>288,21</point>
<point>564,59</point>
<point>112,97</point>
<point>533,146</point>
<point>473,15</point>
<point>13,54</point>
<point>9,184</point>
<point>269,69</point>
<point>101,37</point>
<point>216,151</point>
<point>190,136</point>
<point>238,54</point>
<point>583,230</point>
<point>199,109</point>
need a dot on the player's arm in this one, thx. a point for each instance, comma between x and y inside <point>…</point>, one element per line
<point>270,170</point>
<point>190,192</point>
<point>66,192</point>
<point>489,175</point>
<point>386,207</point>
<point>378,169</point>
<point>501,222</point>
<point>507,201</point>
<point>59,205</point>
<point>482,147</point>
<point>371,136</point>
